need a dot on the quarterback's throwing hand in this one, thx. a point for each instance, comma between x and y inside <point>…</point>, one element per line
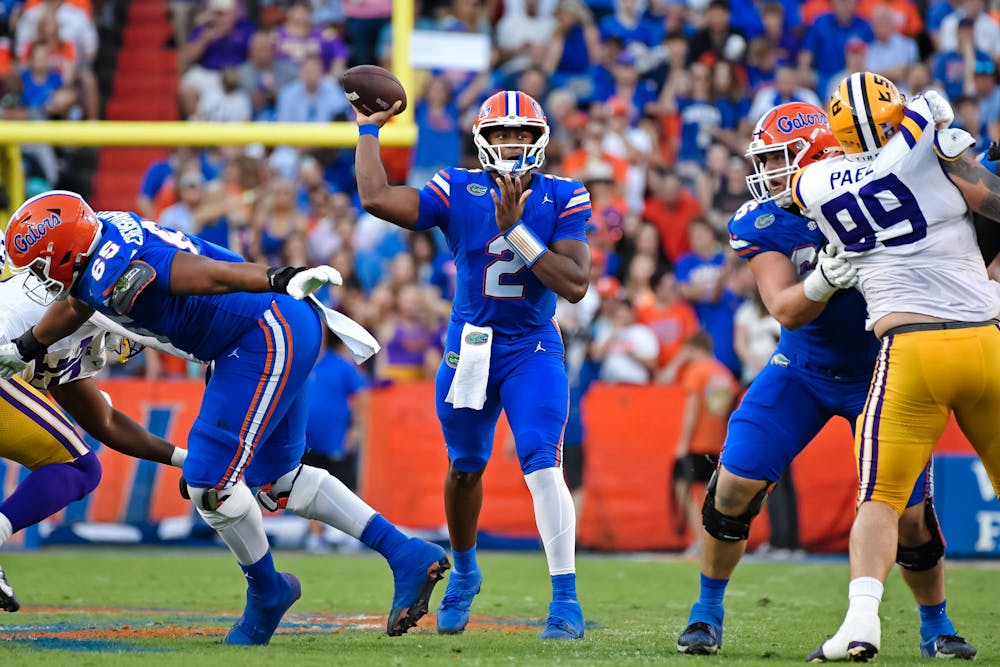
<point>304,283</point>
<point>11,362</point>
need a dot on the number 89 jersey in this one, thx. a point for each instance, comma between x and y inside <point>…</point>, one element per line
<point>128,281</point>
<point>493,286</point>
<point>903,224</point>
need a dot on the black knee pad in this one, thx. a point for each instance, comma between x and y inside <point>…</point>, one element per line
<point>925,556</point>
<point>728,528</point>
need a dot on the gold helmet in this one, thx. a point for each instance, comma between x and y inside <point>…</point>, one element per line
<point>865,110</point>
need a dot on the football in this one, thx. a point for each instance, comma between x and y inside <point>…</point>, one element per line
<point>371,88</point>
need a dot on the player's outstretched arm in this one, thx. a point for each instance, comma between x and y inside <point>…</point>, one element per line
<point>782,292</point>
<point>399,204</point>
<point>87,406</point>
<point>60,320</point>
<point>978,185</point>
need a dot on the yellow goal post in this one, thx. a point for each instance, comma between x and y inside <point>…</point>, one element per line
<point>402,131</point>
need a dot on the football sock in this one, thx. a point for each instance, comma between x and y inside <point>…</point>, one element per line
<point>865,595</point>
<point>383,537</point>
<point>564,587</point>
<point>262,577</point>
<point>708,608</point>
<point>555,518</point>
<point>465,561</point>
<point>48,489</point>
<point>934,621</point>
<point>316,494</point>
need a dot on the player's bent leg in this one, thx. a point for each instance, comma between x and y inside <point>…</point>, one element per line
<point>417,565</point>
<point>237,519</point>
<point>731,503</point>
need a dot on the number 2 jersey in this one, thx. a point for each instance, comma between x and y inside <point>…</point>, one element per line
<point>835,343</point>
<point>904,225</point>
<point>128,281</point>
<point>494,287</point>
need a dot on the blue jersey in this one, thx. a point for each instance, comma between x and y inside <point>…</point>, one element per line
<point>494,287</point>
<point>201,326</point>
<point>835,343</point>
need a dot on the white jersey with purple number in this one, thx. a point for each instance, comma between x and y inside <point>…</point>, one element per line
<point>904,225</point>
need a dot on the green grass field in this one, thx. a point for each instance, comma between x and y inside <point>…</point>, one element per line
<point>170,607</point>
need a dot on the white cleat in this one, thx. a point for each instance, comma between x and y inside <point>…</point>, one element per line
<point>8,601</point>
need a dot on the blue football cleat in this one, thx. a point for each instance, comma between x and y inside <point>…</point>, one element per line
<point>700,638</point>
<point>948,646</point>
<point>261,616</point>
<point>422,565</point>
<point>8,601</point>
<point>565,620</point>
<point>453,612</point>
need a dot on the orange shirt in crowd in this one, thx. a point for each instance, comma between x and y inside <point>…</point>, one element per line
<point>672,220</point>
<point>908,20</point>
<point>717,388</point>
<point>85,5</point>
<point>672,325</point>
<point>575,164</point>
<point>813,9</point>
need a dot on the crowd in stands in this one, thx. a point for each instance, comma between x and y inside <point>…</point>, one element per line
<point>650,104</point>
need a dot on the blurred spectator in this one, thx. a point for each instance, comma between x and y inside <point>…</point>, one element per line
<point>156,191</point>
<point>823,50</point>
<point>985,31</point>
<point>703,274</point>
<point>631,144</point>
<point>984,88</point>
<point>182,216</point>
<point>433,267</point>
<point>906,17</point>
<point>523,37</point>
<point>75,26</point>
<point>671,207</point>
<point>182,16</point>
<point>40,85</point>
<point>365,19</point>
<point>718,39</point>
<point>890,53</point>
<point>575,46</point>
<point>755,336</point>
<point>628,25</point>
<point>410,352</point>
<point>220,39</point>
<point>690,95</point>
<point>856,59</point>
<point>313,97</point>
<point>968,118</point>
<point>671,319</point>
<point>336,425</point>
<point>786,41</point>
<point>710,390</point>
<point>730,93</point>
<point>275,220</point>
<point>466,16</point>
<point>298,37</point>
<point>263,76</point>
<point>954,70</point>
<point>729,194</point>
<point>626,350</point>
<point>786,88</point>
<point>639,279</point>
<point>227,104</point>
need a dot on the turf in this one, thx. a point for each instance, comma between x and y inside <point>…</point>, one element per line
<point>164,607</point>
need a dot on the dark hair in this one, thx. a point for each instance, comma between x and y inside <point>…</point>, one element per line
<point>701,340</point>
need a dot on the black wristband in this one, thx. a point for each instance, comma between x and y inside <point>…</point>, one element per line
<point>278,277</point>
<point>993,152</point>
<point>29,347</point>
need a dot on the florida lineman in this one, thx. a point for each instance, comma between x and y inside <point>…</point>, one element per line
<point>821,369</point>
<point>518,239</point>
<point>205,302</point>
<point>37,435</point>
<point>896,206</point>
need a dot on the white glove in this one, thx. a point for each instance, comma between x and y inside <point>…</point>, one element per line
<point>304,283</point>
<point>833,272</point>
<point>11,362</point>
<point>941,112</point>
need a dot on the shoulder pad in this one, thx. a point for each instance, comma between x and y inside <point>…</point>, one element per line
<point>952,142</point>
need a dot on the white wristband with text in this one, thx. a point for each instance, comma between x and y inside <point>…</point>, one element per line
<point>525,243</point>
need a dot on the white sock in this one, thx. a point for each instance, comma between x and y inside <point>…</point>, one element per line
<point>865,595</point>
<point>6,530</point>
<point>239,523</point>
<point>316,494</point>
<point>555,518</point>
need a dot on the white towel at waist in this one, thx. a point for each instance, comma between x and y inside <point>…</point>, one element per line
<point>468,387</point>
